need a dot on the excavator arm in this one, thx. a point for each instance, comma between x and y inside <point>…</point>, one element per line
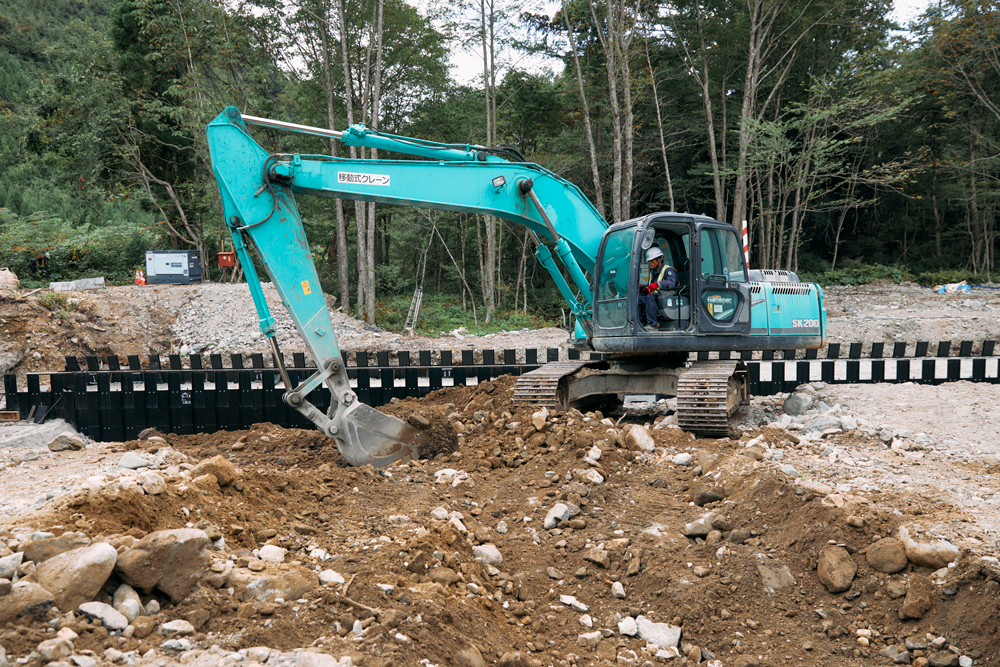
<point>257,190</point>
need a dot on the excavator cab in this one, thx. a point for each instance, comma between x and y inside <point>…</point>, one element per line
<point>712,294</point>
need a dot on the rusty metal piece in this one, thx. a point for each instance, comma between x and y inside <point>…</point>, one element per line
<point>708,393</point>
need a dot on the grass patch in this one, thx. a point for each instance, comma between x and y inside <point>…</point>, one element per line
<point>442,313</point>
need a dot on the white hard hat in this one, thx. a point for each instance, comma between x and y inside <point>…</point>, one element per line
<point>47,255</point>
<point>653,253</point>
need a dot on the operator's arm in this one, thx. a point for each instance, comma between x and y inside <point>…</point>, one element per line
<point>669,279</point>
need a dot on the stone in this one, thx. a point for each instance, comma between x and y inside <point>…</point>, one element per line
<point>943,659</point>
<point>67,440</point>
<point>126,601</point>
<point>152,483</point>
<point>553,573</point>
<point>699,528</point>
<point>170,560</point>
<point>5,586</point>
<point>83,661</point>
<point>270,553</point>
<point>708,495</point>
<point>618,590</point>
<point>589,640</point>
<point>848,423</point>
<point>45,548</point>
<point>895,590</point>
<point>931,553</point>
<point>470,657</point>
<point>9,565</point>
<point>106,614</point>
<point>558,513</point>
<point>26,599</point>
<point>3,657</point>
<point>682,459</point>
<point>219,466</point>
<point>628,627</point>
<point>143,627</point>
<point>822,423</point>
<point>574,604</point>
<point>919,598</point>
<point>836,569</point>
<point>489,553</point>
<point>133,461</point>
<point>598,557</point>
<point>51,650</point>
<point>798,403</point>
<point>258,654</point>
<point>444,576</point>
<point>440,513</point>
<point>662,635</point>
<point>887,555</point>
<point>639,439</point>
<point>76,576</point>
<point>329,577</point>
<point>290,584</point>
<point>179,628</point>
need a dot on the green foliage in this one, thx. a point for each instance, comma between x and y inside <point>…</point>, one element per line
<point>944,276</point>
<point>858,275</point>
<point>441,314</point>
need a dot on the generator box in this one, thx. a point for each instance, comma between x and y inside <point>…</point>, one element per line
<point>177,267</point>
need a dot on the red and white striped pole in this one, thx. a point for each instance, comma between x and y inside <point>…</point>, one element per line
<point>746,244</point>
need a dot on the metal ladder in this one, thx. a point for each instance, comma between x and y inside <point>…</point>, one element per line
<point>413,316</point>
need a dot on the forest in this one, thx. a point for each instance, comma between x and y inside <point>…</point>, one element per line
<point>856,149</point>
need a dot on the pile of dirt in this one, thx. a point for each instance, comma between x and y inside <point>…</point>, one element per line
<point>714,537</point>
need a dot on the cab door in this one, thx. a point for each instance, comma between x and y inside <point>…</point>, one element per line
<point>723,294</point>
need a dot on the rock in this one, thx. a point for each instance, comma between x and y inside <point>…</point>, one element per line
<point>51,650</point>
<point>105,613</point>
<point>775,575</point>
<point>133,461</point>
<point>943,659</point>
<point>836,569</point>
<point>328,577</point>
<point>798,403</point>
<point>934,554</point>
<point>559,512</point>
<point>171,560</point>
<point>501,527</point>
<point>5,586</point>
<point>553,573</point>
<point>790,470</point>
<point>3,657</point>
<point>310,659</point>
<point>662,635</point>
<point>574,604</point>
<point>25,599</point>
<point>470,657</point>
<point>895,590</point>
<point>9,565</point>
<point>270,553</point>
<point>144,626</point>
<point>489,553</point>
<point>698,528</point>
<point>598,557</point>
<point>76,576</point>
<point>589,640</point>
<point>84,661</point>
<point>152,483</point>
<point>45,548</point>
<point>179,628</point>
<point>67,440</point>
<point>290,584</point>
<point>258,654</point>
<point>705,496</point>
<point>444,576</point>
<point>440,513</point>
<point>848,423</point>
<point>628,627</point>
<point>618,590</point>
<point>639,439</point>
<point>127,602</point>
<point>919,598</point>
<point>224,471</point>
<point>822,423</point>
<point>682,459</point>
<point>887,555</point>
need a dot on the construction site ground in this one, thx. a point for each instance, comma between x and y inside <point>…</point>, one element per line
<point>729,540</point>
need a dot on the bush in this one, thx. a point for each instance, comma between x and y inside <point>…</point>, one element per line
<point>858,275</point>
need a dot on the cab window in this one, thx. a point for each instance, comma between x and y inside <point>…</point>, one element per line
<point>611,306</point>
<point>721,258</point>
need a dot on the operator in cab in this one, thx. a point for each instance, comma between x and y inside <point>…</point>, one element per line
<point>662,276</point>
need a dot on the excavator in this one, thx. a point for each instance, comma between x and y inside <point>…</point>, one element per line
<point>719,304</point>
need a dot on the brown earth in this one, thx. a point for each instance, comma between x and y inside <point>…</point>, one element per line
<point>297,494</point>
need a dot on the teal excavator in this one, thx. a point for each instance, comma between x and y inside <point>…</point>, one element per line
<point>718,303</point>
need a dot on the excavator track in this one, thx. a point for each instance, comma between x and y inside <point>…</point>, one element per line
<point>708,392</point>
<point>541,386</point>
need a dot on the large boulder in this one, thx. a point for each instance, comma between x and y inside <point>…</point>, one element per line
<point>798,403</point>
<point>887,556</point>
<point>47,547</point>
<point>25,599</point>
<point>836,569</point>
<point>224,471</point>
<point>638,439</point>
<point>66,440</point>
<point>9,565</point>
<point>76,576</point>
<point>170,560</point>
<point>927,552</point>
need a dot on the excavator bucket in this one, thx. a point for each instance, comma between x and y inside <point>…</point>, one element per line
<point>368,436</point>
